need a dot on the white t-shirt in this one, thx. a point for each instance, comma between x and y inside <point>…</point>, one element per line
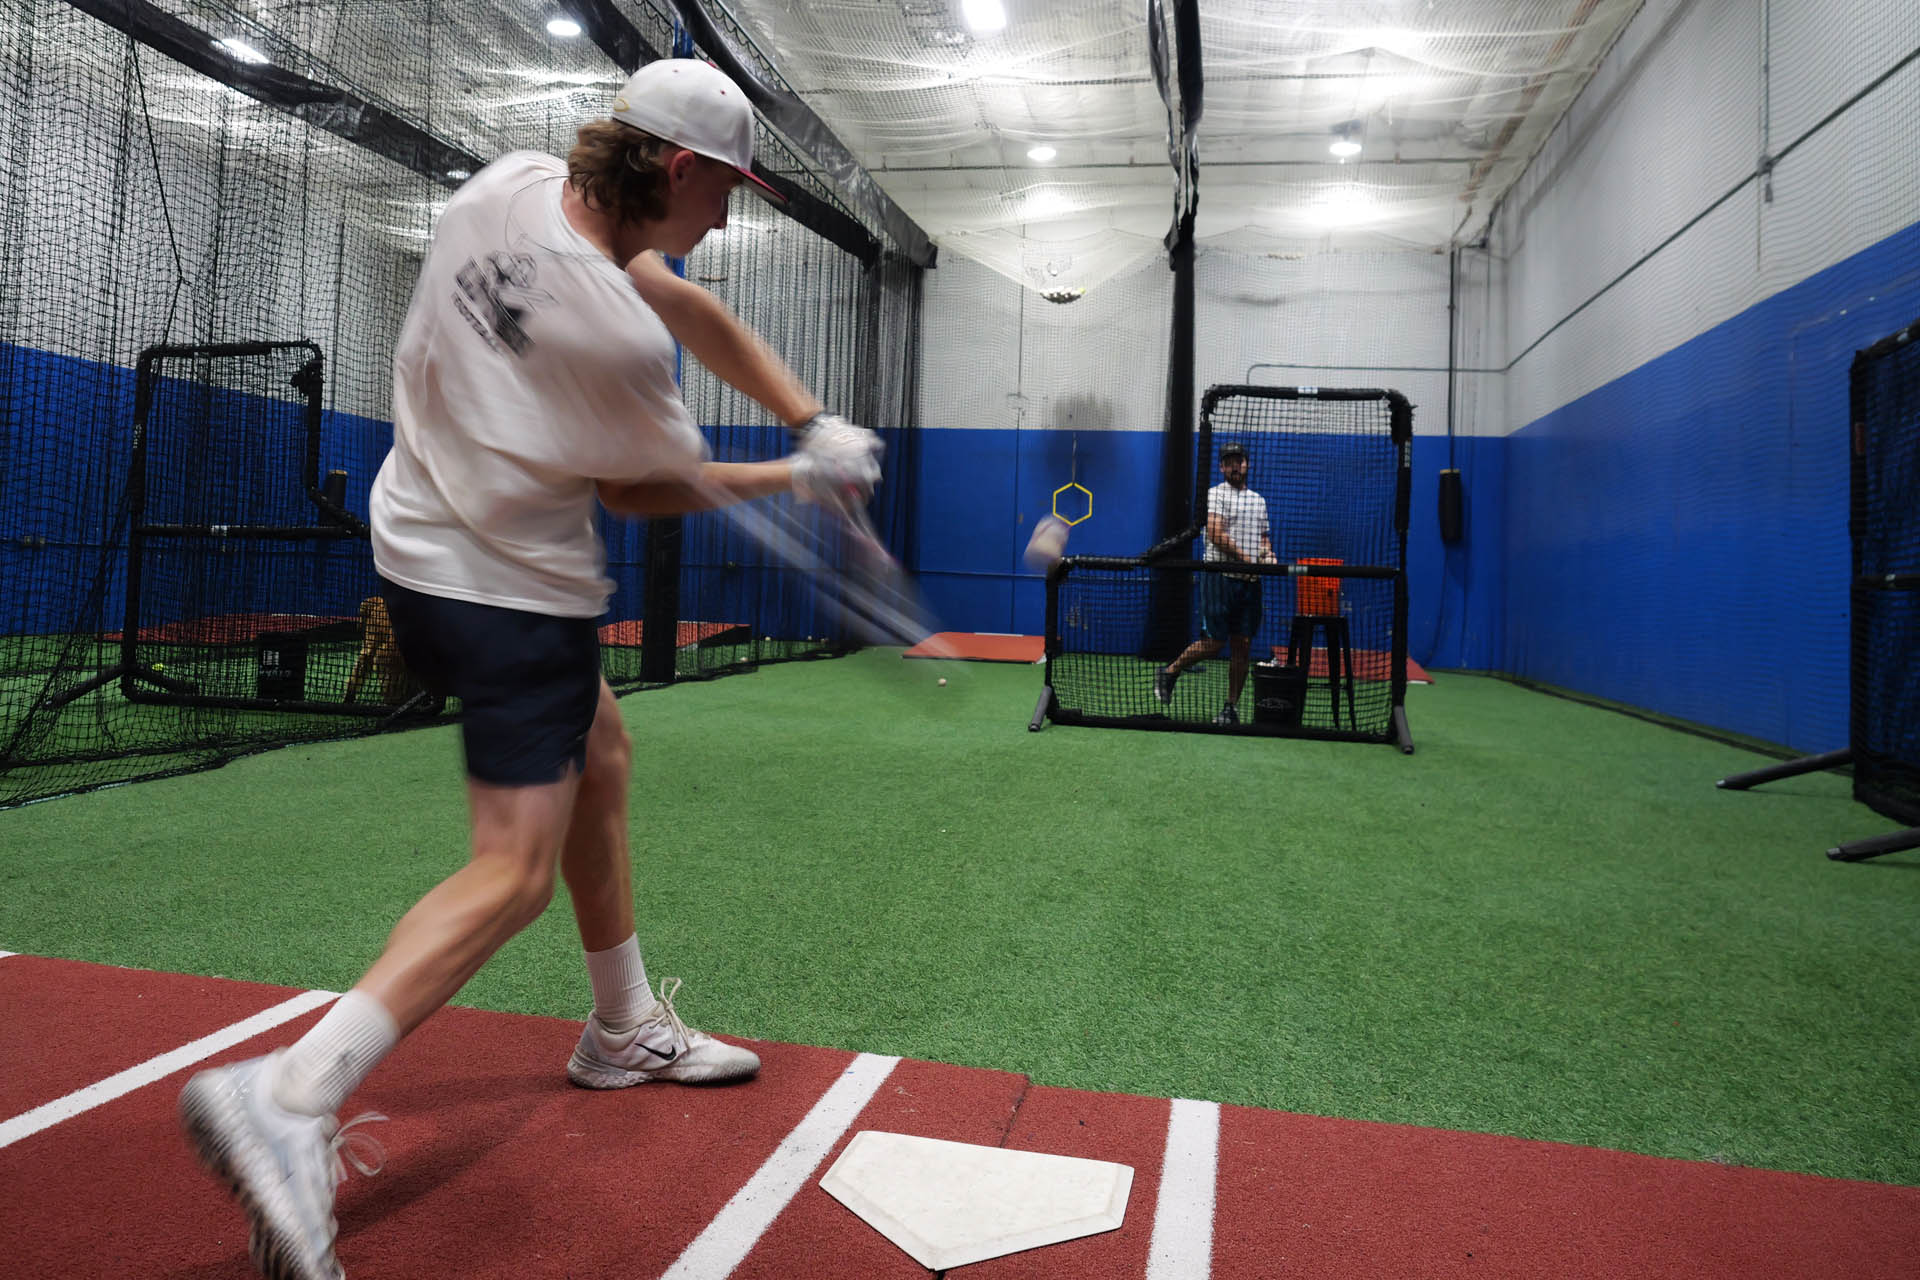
<point>1246,516</point>
<point>527,368</point>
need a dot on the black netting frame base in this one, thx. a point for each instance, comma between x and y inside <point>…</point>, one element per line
<point>1884,519</point>
<point>1310,673</point>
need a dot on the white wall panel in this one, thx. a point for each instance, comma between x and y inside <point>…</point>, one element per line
<point>998,356</point>
<point>1674,120</point>
<point>1827,50</point>
<point>1327,319</point>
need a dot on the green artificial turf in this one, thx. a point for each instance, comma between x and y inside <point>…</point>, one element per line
<point>1547,922</point>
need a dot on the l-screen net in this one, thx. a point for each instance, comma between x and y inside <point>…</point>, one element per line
<point>1886,577</point>
<point>1327,622</point>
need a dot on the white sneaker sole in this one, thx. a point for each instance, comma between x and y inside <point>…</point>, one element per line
<point>736,1064</point>
<point>210,1114</point>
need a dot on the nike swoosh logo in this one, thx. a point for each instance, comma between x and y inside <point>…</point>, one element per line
<point>669,1056</point>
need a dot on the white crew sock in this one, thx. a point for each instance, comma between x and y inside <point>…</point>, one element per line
<point>330,1061</point>
<point>621,999</point>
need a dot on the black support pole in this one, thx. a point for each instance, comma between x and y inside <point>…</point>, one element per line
<point>659,638</point>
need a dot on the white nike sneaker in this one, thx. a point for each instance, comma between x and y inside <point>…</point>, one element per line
<point>661,1048</point>
<point>280,1165</point>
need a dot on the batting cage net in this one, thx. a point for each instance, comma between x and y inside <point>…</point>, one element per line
<point>1886,576</point>
<point>226,599</point>
<point>248,584</point>
<point>1323,618</point>
<point>190,178</point>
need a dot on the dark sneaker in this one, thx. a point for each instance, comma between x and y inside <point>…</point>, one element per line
<point>1163,686</point>
<point>1227,715</point>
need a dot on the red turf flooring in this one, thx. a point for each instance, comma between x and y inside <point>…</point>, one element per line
<point>496,1168</point>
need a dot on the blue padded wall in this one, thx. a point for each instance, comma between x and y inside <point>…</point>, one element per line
<point>1449,623</point>
<point>973,527</point>
<point>980,494</point>
<point>1677,539</point>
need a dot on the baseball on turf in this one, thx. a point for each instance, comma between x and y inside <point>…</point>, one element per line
<point>943,682</point>
<point>1048,543</point>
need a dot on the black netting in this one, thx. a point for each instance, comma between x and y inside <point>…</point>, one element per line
<point>191,173</point>
<point>1886,590</point>
<point>1332,464</point>
<point>1322,664</point>
<point>250,585</point>
<point>1328,621</point>
<point>231,602</point>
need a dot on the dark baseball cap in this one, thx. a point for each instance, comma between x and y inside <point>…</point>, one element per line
<point>1232,449</point>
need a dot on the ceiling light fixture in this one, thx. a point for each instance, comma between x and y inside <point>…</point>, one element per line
<point>1041,154</point>
<point>564,27</point>
<point>1346,141</point>
<point>241,51</point>
<point>1343,206</point>
<point>1038,204</point>
<point>983,17</point>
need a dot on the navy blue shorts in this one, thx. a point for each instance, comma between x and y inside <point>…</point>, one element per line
<point>1228,606</point>
<point>528,684</point>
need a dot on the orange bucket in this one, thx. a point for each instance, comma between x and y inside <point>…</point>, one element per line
<point>1319,596</point>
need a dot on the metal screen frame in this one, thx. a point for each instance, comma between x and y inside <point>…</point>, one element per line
<point>1171,596</point>
<point>140,682</point>
<point>1883,781</point>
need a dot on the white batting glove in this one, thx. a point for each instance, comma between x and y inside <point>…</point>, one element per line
<point>831,433</point>
<point>839,478</point>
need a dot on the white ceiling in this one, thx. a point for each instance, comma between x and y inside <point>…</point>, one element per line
<point>1449,99</point>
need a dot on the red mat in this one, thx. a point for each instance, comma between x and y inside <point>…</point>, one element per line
<point>229,628</point>
<point>496,1168</point>
<point>630,631</point>
<point>1368,664</point>
<point>980,646</point>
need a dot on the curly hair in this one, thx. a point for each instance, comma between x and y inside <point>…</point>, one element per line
<point>616,169</point>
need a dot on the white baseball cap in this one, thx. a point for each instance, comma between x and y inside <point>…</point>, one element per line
<point>693,104</point>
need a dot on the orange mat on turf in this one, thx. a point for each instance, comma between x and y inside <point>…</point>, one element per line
<point>975,646</point>
<point>229,628</point>
<point>629,632</point>
<point>1368,664</point>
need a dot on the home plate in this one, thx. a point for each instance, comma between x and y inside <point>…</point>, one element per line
<point>951,1203</point>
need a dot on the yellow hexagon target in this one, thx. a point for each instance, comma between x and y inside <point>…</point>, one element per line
<point>1084,499</point>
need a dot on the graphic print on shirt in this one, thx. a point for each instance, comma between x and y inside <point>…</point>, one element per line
<point>501,288</point>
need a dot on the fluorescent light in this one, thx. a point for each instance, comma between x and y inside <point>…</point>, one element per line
<point>1040,203</point>
<point>983,17</point>
<point>564,27</point>
<point>241,51</point>
<point>1343,206</point>
<point>1344,147</point>
<point>1042,154</point>
<point>458,175</point>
